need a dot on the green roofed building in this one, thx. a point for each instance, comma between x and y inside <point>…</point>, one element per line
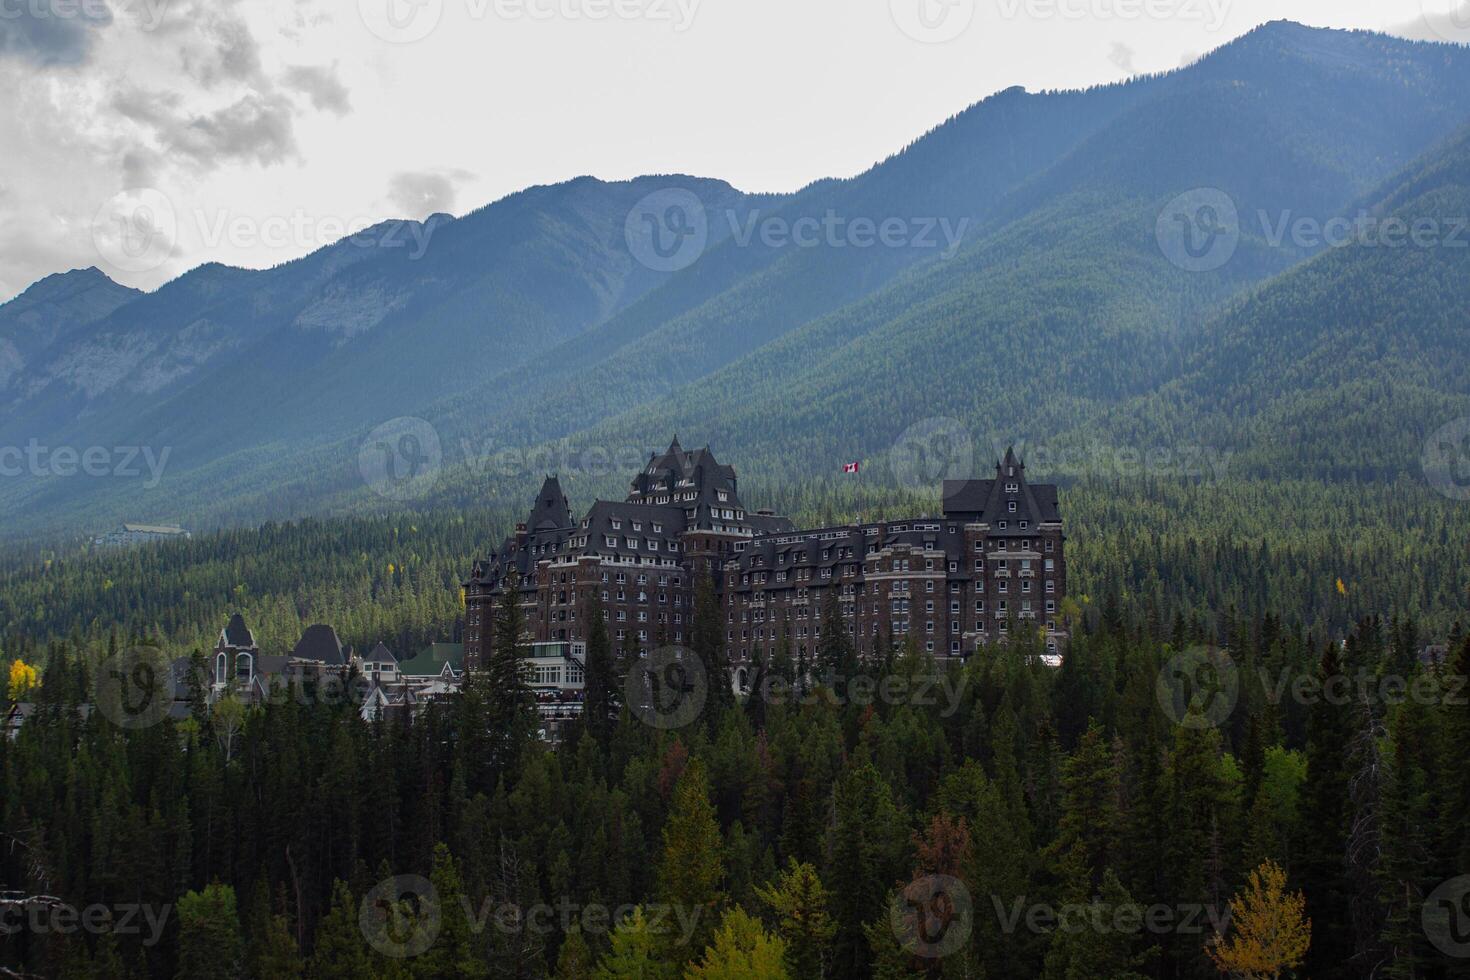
<point>438,661</point>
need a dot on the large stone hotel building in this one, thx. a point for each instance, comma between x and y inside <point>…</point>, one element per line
<point>993,562</point>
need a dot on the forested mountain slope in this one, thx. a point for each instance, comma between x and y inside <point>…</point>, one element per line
<point>1051,291</point>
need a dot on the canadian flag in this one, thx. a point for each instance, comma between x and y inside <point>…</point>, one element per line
<point>850,467</point>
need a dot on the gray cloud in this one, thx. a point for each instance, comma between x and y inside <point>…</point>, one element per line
<point>1122,56</point>
<point>1447,25</point>
<point>422,194</point>
<point>322,86</point>
<point>257,127</point>
<point>51,33</point>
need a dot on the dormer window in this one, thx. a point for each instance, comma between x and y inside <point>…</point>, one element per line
<point>1013,488</point>
<point>1010,507</point>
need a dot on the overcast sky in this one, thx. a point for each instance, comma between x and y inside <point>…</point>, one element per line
<point>253,132</point>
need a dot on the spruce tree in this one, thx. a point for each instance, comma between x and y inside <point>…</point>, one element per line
<point>574,960</point>
<point>510,708</point>
<point>600,697</point>
<point>338,950</point>
<point>454,953</point>
<point>1326,816</point>
<point>636,953</point>
<point>690,872</point>
<point>865,852</point>
<point>799,901</point>
<point>209,934</point>
<point>708,641</point>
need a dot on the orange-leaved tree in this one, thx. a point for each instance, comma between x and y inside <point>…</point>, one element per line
<point>1269,931</point>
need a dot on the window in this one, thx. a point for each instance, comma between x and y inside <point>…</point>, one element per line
<point>1010,507</point>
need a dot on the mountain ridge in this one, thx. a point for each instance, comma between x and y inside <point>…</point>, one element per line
<point>529,321</point>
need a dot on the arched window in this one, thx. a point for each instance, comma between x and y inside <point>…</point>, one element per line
<point>219,669</point>
<point>244,667</point>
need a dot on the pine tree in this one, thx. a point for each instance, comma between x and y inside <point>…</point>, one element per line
<point>635,953</point>
<point>600,700</point>
<point>1089,827</point>
<point>1099,947</point>
<point>453,953</point>
<point>690,872</point>
<point>1326,816</point>
<point>1455,834</point>
<point>742,950</point>
<point>836,655</point>
<point>271,951</point>
<point>866,849</point>
<point>708,641</point>
<point>510,708</point>
<point>800,902</point>
<point>1407,844</point>
<point>209,934</point>
<point>574,961</point>
<point>339,952</point>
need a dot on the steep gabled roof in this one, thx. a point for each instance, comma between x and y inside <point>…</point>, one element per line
<point>320,644</point>
<point>989,501</point>
<point>236,634</point>
<point>551,510</point>
<point>380,655</point>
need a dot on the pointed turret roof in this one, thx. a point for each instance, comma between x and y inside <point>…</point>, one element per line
<point>236,634</point>
<point>552,510</point>
<point>1009,503</point>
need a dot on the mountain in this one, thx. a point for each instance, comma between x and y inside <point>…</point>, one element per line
<point>1065,305</point>
<point>48,313</point>
<point>1036,288</point>
<point>1344,365</point>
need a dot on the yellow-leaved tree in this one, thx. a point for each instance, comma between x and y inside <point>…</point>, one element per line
<point>1269,931</point>
<point>22,679</point>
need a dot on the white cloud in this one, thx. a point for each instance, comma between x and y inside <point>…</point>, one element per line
<point>419,195</point>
